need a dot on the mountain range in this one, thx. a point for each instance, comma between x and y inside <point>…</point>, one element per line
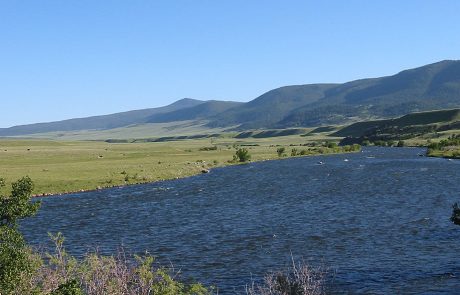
<point>431,87</point>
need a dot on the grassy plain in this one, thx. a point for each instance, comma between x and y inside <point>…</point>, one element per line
<point>69,166</point>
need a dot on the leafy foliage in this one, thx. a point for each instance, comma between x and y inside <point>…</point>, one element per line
<point>25,272</point>
<point>16,264</point>
<point>69,288</point>
<point>280,151</point>
<point>242,155</point>
<point>449,147</point>
<point>299,279</point>
<point>116,275</point>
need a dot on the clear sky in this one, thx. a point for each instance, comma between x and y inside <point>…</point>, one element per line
<point>65,59</point>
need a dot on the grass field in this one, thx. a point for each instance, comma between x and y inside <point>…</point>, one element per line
<point>153,130</point>
<point>69,166</point>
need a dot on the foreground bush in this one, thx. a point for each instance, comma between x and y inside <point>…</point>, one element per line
<point>95,274</point>
<point>23,271</point>
<point>299,279</point>
<point>17,264</point>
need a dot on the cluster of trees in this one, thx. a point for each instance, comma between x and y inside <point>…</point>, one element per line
<point>366,141</point>
<point>388,143</point>
<point>453,140</point>
<point>209,148</point>
<point>449,147</point>
<point>323,148</point>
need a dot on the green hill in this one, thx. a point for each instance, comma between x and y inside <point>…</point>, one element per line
<point>432,120</point>
<point>99,122</point>
<point>201,111</point>
<point>271,107</point>
<point>431,87</point>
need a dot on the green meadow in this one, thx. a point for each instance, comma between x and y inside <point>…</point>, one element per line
<point>70,166</point>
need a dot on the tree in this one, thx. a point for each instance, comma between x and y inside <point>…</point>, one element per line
<point>242,155</point>
<point>331,145</point>
<point>15,261</point>
<point>280,151</point>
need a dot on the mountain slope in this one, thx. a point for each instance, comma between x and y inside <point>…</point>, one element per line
<point>271,106</point>
<point>431,87</point>
<point>201,111</point>
<point>441,117</point>
<point>99,122</point>
<point>434,86</point>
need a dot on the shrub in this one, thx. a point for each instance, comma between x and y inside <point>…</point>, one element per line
<point>209,148</point>
<point>280,151</point>
<point>69,288</point>
<point>16,263</point>
<point>116,275</point>
<point>331,145</point>
<point>242,155</point>
<point>299,279</point>
<point>25,272</point>
<point>380,143</point>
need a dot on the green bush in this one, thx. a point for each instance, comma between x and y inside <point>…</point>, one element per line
<point>299,279</point>
<point>242,155</point>
<point>209,148</point>
<point>23,271</point>
<point>331,145</point>
<point>280,151</point>
<point>71,287</point>
<point>16,264</point>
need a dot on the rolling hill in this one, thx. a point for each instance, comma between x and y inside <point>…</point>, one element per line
<point>200,111</point>
<point>271,107</point>
<point>407,126</point>
<point>99,122</point>
<point>432,87</point>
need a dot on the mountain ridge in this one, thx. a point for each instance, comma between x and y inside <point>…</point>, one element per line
<point>430,87</point>
<point>109,121</point>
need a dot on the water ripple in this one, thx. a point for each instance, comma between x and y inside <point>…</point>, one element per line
<point>378,220</point>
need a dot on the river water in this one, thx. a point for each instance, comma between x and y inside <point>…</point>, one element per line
<point>378,220</point>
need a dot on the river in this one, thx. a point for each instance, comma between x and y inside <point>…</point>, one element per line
<point>378,220</point>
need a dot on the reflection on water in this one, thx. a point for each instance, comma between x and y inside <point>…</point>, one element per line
<point>379,221</point>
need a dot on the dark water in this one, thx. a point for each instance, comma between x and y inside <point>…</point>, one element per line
<point>379,222</point>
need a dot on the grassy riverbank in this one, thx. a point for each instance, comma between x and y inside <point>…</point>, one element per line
<point>446,148</point>
<point>70,166</point>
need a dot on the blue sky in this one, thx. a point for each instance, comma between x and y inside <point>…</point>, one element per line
<point>66,59</point>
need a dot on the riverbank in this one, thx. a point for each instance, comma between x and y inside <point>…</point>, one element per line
<point>447,148</point>
<point>59,167</point>
<point>247,219</point>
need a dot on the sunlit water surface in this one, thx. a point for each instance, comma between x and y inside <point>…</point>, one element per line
<point>379,221</point>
